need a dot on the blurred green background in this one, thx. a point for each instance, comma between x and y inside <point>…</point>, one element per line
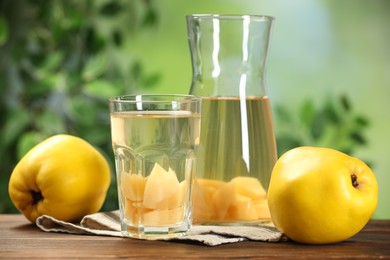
<point>328,73</point>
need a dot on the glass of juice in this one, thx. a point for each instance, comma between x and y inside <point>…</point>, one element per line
<point>154,138</point>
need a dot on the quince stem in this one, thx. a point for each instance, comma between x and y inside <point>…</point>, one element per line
<point>354,180</point>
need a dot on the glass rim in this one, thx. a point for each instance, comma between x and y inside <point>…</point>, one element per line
<point>154,98</point>
<point>253,17</point>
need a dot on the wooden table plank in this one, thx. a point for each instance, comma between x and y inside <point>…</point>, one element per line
<point>21,240</point>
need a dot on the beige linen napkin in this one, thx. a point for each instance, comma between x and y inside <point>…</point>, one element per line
<point>108,224</point>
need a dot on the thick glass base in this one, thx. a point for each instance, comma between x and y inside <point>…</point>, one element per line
<point>158,232</point>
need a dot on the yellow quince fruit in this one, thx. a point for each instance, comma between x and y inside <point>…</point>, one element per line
<point>64,177</point>
<point>320,195</point>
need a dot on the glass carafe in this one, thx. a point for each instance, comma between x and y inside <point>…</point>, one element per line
<point>237,148</point>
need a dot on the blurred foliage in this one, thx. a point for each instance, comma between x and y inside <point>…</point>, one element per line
<point>60,61</point>
<point>332,124</point>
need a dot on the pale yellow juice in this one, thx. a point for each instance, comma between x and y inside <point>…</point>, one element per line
<point>154,152</point>
<point>237,140</point>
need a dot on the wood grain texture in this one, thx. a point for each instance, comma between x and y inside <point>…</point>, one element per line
<point>21,240</point>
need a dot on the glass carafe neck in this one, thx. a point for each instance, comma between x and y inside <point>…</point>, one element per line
<point>229,54</point>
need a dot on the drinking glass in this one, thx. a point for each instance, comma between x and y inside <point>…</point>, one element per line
<point>154,138</point>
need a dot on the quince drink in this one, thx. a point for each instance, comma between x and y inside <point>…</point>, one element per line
<point>154,153</point>
<point>236,154</point>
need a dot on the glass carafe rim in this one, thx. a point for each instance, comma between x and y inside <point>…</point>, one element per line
<point>253,17</point>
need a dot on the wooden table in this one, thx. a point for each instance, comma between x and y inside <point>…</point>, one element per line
<point>19,239</point>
